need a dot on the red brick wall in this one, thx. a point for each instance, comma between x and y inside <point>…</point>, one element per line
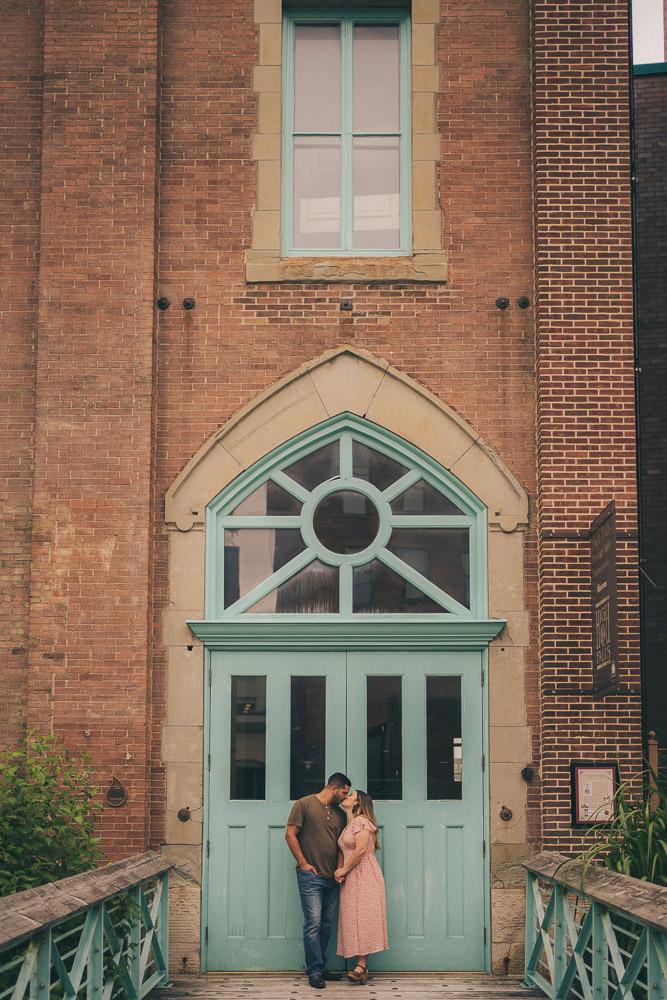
<point>241,338</point>
<point>89,656</point>
<point>120,411</point>
<point>20,126</point>
<point>585,410</point>
<point>650,126</point>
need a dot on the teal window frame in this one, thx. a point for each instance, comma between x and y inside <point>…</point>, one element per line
<point>346,428</point>
<point>347,20</point>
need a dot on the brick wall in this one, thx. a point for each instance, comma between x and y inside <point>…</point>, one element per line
<point>650,124</point>
<point>20,124</point>
<point>585,409</point>
<point>94,379</point>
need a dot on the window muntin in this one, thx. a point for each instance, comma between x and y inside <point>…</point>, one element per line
<point>349,544</point>
<point>346,135</point>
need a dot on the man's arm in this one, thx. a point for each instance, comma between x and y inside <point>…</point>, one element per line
<point>291,836</point>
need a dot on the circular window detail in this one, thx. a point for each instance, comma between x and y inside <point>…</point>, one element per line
<point>346,522</point>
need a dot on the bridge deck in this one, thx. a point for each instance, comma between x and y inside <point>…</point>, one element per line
<point>384,986</point>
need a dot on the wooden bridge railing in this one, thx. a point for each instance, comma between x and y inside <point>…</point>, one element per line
<point>603,939</point>
<point>101,935</point>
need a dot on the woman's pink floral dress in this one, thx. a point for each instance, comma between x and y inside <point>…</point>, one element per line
<point>362,922</point>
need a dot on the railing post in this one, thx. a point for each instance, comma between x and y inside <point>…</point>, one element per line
<point>42,978</point>
<point>599,954</point>
<point>655,971</point>
<point>95,984</point>
<point>134,942</point>
<point>560,938</point>
<point>530,930</point>
<point>163,927</point>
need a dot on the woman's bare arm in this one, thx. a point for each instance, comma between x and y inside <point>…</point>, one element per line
<point>360,844</point>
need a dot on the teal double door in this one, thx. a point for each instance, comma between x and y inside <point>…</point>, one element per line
<point>407,728</point>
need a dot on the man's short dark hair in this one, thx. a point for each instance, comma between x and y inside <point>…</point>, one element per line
<point>339,780</point>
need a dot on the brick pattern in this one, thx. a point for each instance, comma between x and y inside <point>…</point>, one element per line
<point>585,410</point>
<point>650,128</point>
<point>20,124</point>
<point>91,517</point>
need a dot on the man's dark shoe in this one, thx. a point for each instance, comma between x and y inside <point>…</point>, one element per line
<point>317,981</point>
<point>332,977</point>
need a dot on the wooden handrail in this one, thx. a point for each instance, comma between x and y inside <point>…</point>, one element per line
<point>643,901</point>
<point>24,913</point>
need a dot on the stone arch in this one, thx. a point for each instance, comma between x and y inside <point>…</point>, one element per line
<point>344,380</point>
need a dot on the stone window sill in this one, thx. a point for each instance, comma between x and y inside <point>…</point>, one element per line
<point>422,266</point>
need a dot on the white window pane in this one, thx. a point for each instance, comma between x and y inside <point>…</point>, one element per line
<point>316,193</point>
<point>375,172</point>
<point>317,78</point>
<point>376,79</point>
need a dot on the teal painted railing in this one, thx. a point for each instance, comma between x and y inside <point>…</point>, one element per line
<point>102,935</point>
<point>600,937</point>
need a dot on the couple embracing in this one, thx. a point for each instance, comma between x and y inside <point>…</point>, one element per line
<point>333,837</point>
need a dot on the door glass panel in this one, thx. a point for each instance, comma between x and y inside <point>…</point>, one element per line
<point>248,738</point>
<point>316,468</point>
<point>384,740</point>
<point>422,498</point>
<point>268,499</point>
<point>307,735</point>
<point>440,554</point>
<point>317,181</point>
<point>317,78</point>
<point>376,78</point>
<point>377,588</point>
<point>376,193</point>
<point>253,554</point>
<point>444,748</point>
<point>346,521</point>
<point>313,589</point>
<point>374,467</point>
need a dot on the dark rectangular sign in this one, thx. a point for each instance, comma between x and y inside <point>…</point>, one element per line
<point>604,601</point>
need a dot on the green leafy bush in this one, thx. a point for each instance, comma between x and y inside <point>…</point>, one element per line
<point>635,842</point>
<point>47,815</point>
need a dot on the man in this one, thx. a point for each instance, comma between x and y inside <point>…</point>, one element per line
<point>314,825</point>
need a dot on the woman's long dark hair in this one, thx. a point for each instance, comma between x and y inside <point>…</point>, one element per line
<point>364,807</point>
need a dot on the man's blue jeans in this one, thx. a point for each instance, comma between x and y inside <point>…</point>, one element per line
<point>319,902</point>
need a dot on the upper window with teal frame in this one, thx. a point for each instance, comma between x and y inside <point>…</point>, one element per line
<point>346,519</point>
<point>346,133</point>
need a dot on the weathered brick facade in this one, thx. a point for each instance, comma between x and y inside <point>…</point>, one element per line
<point>130,175</point>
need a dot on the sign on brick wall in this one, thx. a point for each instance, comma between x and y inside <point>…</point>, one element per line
<point>604,601</point>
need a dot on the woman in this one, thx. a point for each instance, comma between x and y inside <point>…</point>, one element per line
<point>362,922</point>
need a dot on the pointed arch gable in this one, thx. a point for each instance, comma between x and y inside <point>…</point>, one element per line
<point>346,380</point>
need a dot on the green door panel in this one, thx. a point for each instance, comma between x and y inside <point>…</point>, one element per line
<point>254,915</point>
<point>431,850</point>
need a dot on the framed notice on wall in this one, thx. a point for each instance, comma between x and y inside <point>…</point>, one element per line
<point>604,601</point>
<point>594,785</point>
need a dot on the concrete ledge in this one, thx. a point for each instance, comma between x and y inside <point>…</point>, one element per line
<point>429,266</point>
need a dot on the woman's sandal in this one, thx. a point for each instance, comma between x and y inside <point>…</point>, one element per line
<point>359,975</point>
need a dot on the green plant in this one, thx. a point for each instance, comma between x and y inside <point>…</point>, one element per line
<point>635,842</point>
<point>47,814</point>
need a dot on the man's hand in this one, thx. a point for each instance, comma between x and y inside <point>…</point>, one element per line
<point>305,867</point>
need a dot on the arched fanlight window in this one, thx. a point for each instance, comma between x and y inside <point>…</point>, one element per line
<point>346,519</point>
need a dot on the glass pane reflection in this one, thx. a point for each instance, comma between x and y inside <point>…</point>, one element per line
<point>313,589</point>
<point>422,498</point>
<point>374,467</point>
<point>248,738</point>
<point>444,749</point>
<point>253,554</point>
<point>346,521</point>
<point>440,554</point>
<point>384,737</point>
<point>268,499</point>
<point>316,78</point>
<point>317,467</point>
<point>307,735</point>
<point>376,588</point>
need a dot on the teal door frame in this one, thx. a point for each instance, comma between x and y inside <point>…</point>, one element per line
<point>364,634</point>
